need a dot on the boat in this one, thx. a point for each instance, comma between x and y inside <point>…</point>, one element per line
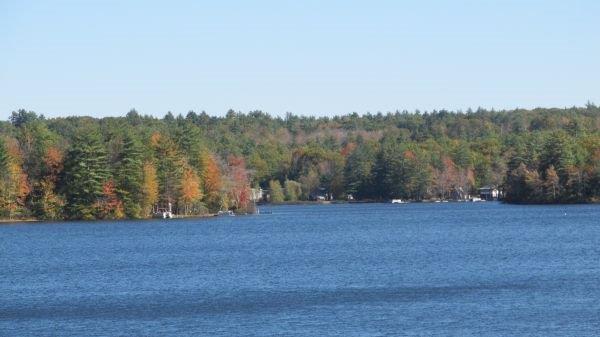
<point>398,201</point>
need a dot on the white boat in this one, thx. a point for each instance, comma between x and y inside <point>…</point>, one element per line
<point>398,201</point>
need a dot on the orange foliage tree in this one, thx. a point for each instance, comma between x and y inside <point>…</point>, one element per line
<point>14,186</point>
<point>190,189</point>
<point>48,205</point>
<point>109,206</point>
<point>211,178</point>
<point>239,189</point>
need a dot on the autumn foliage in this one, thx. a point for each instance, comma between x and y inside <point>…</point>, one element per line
<point>132,166</point>
<point>109,205</point>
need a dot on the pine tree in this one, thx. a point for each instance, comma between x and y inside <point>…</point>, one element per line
<point>86,171</point>
<point>129,176</point>
<point>170,164</point>
<point>359,172</point>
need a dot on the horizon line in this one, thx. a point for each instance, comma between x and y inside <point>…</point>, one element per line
<point>316,115</point>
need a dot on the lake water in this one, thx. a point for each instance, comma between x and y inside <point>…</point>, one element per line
<point>467,269</point>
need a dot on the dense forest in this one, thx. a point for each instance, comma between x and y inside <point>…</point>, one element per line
<point>125,167</point>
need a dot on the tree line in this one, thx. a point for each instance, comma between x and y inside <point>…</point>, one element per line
<point>126,167</point>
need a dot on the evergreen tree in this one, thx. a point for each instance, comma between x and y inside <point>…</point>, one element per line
<point>129,176</point>
<point>86,171</point>
<point>169,167</point>
<point>359,172</point>
<point>557,152</point>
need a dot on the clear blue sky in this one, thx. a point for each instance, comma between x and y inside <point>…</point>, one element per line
<point>102,58</point>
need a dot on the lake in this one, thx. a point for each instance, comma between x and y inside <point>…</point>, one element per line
<point>438,269</point>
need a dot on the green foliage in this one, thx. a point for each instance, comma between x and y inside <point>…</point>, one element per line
<point>3,158</point>
<point>293,190</point>
<point>82,167</point>
<point>170,164</point>
<point>23,116</point>
<point>359,171</point>
<point>129,176</point>
<point>86,170</point>
<point>275,191</point>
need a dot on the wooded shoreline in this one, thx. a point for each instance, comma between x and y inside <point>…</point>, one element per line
<point>136,165</point>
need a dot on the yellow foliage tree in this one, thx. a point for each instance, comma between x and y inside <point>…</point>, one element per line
<point>149,188</point>
<point>211,177</point>
<point>14,186</point>
<point>190,188</point>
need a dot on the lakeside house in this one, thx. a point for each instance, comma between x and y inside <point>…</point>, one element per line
<point>163,212</point>
<point>489,193</point>
<point>320,194</point>
<point>258,194</point>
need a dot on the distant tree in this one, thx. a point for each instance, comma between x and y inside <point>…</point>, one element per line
<point>239,189</point>
<point>557,152</point>
<point>5,180</point>
<point>109,205</point>
<point>276,192</point>
<point>85,173</point>
<point>552,184</point>
<point>133,117</point>
<point>359,172</point>
<point>169,118</point>
<point>169,164</point>
<point>46,203</point>
<point>3,157</point>
<point>524,185</point>
<point>190,189</point>
<point>293,190</point>
<point>22,116</point>
<point>211,178</point>
<point>149,188</point>
<point>14,186</point>
<point>129,176</point>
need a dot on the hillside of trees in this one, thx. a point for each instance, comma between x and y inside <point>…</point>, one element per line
<point>110,168</point>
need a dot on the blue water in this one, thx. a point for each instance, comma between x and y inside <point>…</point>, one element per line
<point>320,270</point>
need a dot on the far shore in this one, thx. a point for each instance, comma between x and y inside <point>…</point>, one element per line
<point>33,220</point>
<point>291,203</point>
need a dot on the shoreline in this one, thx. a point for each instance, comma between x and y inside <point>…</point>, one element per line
<point>30,220</point>
<point>298,203</point>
